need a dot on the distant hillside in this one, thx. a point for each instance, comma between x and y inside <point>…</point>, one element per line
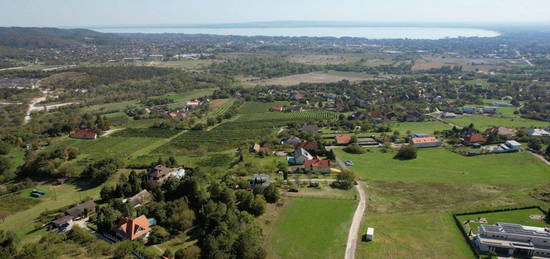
<point>17,37</point>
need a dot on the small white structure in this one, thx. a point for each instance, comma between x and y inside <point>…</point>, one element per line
<point>538,133</point>
<point>370,234</point>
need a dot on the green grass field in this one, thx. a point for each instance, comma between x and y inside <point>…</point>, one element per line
<point>482,122</point>
<point>311,228</point>
<point>419,127</point>
<point>259,107</point>
<point>441,165</point>
<point>516,216</point>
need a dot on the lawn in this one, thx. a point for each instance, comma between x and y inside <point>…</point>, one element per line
<point>441,165</point>
<point>482,122</point>
<point>109,146</point>
<point>516,217</point>
<point>311,228</point>
<point>419,127</point>
<point>259,107</point>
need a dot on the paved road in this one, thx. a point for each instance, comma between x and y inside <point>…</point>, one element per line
<point>356,223</point>
<point>540,157</point>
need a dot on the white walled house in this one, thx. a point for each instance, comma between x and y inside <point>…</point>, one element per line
<point>513,240</point>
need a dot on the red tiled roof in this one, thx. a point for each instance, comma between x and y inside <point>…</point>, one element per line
<point>277,108</point>
<point>317,163</point>
<point>343,139</point>
<point>265,149</point>
<point>475,138</point>
<point>424,140</point>
<point>133,228</point>
<point>83,133</point>
<point>308,145</point>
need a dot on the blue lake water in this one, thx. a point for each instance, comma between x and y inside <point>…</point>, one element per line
<point>362,32</point>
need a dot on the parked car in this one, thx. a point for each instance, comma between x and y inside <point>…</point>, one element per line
<point>348,163</point>
<point>293,190</point>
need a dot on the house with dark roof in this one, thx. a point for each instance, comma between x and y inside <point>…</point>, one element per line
<point>292,141</point>
<point>317,165</point>
<point>367,141</point>
<point>342,140</point>
<point>133,229</point>
<point>82,209</point>
<point>63,224</point>
<point>141,198</point>
<point>83,134</point>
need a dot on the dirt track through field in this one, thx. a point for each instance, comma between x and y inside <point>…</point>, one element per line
<point>351,245</point>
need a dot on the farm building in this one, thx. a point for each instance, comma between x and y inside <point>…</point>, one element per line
<point>277,108</point>
<point>425,142</point>
<point>342,140</point>
<point>469,109</point>
<point>501,104</point>
<point>449,115</point>
<point>508,147</point>
<point>133,229</point>
<point>317,165</point>
<point>513,240</point>
<point>490,110</point>
<point>367,141</point>
<point>83,134</point>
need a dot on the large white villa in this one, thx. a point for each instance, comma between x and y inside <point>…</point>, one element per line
<point>514,240</point>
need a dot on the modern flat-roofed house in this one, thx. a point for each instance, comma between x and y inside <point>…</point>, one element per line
<point>469,109</point>
<point>83,134</point>
<point>513,240</point>
<point>133,229</point>
<point>317,165</point>
<point>301,156</point>
<point>425,142</point>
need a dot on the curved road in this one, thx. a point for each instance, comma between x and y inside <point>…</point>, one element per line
<point>356,223</point>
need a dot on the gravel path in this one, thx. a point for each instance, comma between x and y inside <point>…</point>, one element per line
<point>356,223</point>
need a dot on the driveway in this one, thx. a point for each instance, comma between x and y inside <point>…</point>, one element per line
<point>356,223</point>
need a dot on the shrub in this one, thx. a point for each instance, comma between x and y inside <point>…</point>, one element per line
<point>354,149</point>
<point>406,152</point>
<point>344,180</point>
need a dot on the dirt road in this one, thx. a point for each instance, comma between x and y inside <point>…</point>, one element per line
<point>356,223</point>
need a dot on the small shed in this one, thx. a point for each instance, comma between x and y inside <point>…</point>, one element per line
<point>370,234</point>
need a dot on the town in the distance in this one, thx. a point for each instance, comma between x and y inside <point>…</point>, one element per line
<point>173,145</point>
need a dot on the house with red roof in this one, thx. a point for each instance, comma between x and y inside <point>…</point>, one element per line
<point>424,142</point>
<point>83,134</point>
<point>308,145</point>
<point>133,229</point>
<point>277,108</point>
<point>317,165</point>
<point>474,138</point>
<point>342,140</point>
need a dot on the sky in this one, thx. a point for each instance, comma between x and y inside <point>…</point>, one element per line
<point>74,13</point>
